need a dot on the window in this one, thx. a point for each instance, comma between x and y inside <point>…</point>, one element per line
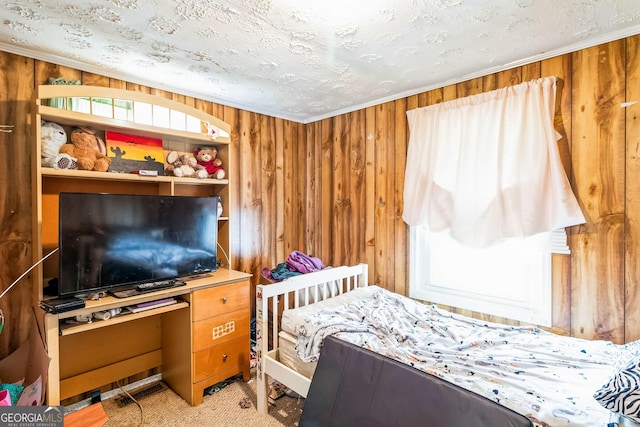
<point>511,280</point>
<point>137,112</point>
<point>483,170</point>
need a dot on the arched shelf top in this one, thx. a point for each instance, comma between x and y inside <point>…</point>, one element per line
<point>129,110</point>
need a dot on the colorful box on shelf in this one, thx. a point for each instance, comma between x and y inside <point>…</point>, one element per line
<point>131,153</point>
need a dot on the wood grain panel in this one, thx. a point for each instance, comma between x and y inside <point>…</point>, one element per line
<point>449,93</point>
<point>289,197</point>
<point>160,93</point>
<point>435,96</point>
<point>531,71</point>
<point>16,86</point>
<point>385,196</point>
<point>340,199</point>
<point>470,87</point>
<point>117,84</point>
<point>313,212</point>
<point>183,100</point>
<point>370,191</point>
<point>44,70</point>
<point>217,110</point>
<point>266,175</point>
<point>422,99</point>
<point>325,186</point>
<point>598,166</point>
<point>490,82</point>
<point>401,231</point>
<point>138,88</point>
<point>509,77</point>
<point>250,203</point>
<point>301,171</point>
<point>356,244</point>
<point>92,79</point>
<point>191,102</point>
<point>632,192</point>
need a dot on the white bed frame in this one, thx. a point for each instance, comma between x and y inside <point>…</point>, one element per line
<point>297,291</point>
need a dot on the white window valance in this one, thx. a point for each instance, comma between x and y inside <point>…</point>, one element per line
<point>485,168</point>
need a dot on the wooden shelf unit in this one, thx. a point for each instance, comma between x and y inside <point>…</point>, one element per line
<point>49,182</point>
<point>158,337</point>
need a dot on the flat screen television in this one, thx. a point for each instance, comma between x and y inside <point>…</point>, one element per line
<point>109,241</point>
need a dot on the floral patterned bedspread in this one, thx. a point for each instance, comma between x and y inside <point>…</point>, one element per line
<point>546,377</point>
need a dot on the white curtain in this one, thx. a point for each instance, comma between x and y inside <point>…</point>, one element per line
<point>486,167</point>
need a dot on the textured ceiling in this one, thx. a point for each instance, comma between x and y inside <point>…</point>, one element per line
<point>306,59</point>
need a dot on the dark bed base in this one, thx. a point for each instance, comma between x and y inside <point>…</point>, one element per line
<point>353,386</point>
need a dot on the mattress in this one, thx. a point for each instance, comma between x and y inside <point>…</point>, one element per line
<point>293,317</point>
<point>287,355</point>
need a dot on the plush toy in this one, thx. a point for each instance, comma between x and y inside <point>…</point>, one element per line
<point>52,137</point>
<point>208,157</point>
<point>89,150</point>
<point>184,165</point>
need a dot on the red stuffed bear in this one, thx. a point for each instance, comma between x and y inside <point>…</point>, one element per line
<point>208,157</point>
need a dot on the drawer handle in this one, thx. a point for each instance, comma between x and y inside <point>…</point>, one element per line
<point>224,357</point>
<point>224,300</point>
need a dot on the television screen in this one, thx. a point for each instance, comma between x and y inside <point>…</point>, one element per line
<point>114,240</point>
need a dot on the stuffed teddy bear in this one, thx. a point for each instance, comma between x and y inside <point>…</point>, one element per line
<point>89,150</point>
<point>52,137</point>
<point>208,157</point>
<point>184,165</point>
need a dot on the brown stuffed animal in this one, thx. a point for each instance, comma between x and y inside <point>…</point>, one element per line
<point>89,150</point>
<point>184,165</point>
<point>208,158</point>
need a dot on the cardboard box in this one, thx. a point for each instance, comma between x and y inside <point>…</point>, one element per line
<point>28,365</point>
<point>131,153</point>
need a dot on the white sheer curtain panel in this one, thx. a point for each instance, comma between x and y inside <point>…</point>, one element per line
<point>487,167</point>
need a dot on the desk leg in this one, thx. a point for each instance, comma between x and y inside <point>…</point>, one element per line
<point>53,350</point>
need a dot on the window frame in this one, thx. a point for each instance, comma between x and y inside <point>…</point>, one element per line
<point>534,308</point>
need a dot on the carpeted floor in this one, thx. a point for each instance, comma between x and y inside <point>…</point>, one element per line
<point>224,408</point>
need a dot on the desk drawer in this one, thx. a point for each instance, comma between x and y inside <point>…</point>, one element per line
<point>219,329</point>
<point>220,300</point>
<point>222,360</point>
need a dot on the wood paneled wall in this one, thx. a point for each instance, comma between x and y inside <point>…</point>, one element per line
<point>334,188</point>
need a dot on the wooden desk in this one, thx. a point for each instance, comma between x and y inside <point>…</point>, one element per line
<point>201,340</point>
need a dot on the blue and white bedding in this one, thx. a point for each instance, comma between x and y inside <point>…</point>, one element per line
<point>548,378</point>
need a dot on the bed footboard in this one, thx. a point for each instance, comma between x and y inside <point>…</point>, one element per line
<point>294,292</point>
<point>355,386</point>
